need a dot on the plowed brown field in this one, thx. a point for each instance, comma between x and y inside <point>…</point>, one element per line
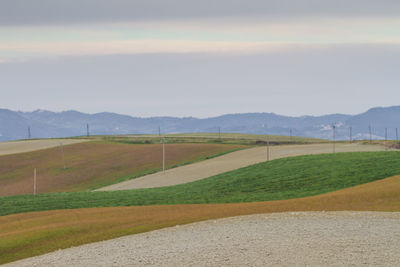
<point>93,163</point>
<point>29,234</point>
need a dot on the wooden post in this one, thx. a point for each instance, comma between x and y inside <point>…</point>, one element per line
<point>267,147</point>
<point>334,137</point>
<point>370,134</point>
<point>34,181</point>
<point>386,137</point>
<point>351,134</point>
<point>62,154</point>
<point>163,140</point>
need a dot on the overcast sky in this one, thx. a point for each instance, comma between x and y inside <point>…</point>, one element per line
<point>199,58</point>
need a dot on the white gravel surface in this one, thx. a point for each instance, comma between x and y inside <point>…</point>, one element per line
<point>280,239</point>
<point>231,161</point>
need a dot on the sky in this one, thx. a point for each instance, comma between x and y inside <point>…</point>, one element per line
<point>200,58</point>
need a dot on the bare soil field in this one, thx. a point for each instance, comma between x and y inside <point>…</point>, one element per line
<point>91,164</point>
<point>7,148</point>
<point>36,233</point>
<point>280,239</point>
<point>232,161</point>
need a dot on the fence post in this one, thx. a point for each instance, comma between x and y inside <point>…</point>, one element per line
<point>34,181</point>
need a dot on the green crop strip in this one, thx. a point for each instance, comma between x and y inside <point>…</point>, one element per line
<point>274,180</point>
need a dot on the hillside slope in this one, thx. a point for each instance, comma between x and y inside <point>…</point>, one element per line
<point>46,124</point>
<point>35,233</point>
<point>92,164</point>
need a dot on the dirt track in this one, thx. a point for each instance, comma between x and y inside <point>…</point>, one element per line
<point>7,148</point>
<point>231,161</point>
<point>278,239</point>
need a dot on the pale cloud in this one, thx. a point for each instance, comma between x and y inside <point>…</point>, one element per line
<point>193,36</point>
<point>62,12</point>
<point>79,48</point>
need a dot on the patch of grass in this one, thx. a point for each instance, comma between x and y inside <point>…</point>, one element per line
<point>274,180</point>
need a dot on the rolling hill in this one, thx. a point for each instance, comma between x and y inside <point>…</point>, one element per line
<point>47,124</point>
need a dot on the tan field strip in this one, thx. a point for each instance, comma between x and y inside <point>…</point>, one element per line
<point>14,147</point>
<point>35,233</point>
<point>231,161</point>
<point>279,239</point>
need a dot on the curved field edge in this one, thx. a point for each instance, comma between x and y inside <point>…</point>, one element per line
<point>229,148</point>
<point>279,179</point>
<point>95,164</point>
<point>36,233</point>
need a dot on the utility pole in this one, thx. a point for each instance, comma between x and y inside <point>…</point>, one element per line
<point>163,161</point>
<point>386,137</point>
<point>159,131</point>
<point>87,130</point>
<point>397,136</point>
<point>370,133</point>
<point>266,129</point>
<point>290,134</point>
<point>351,134</point>
<point>62,155</point>
<point>34,181</point>
<point>219,133</point>
<point>29,132</point>
<point>334,137</point>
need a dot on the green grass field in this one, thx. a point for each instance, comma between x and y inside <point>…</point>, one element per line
<point>224,138</point>
<point>274,180</point>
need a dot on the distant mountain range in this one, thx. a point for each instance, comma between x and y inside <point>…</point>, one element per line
<point>46,124</point>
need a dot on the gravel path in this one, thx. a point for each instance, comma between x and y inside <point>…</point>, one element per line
<point>14,147</point>
<point>229,162</point>
<point>280,239</point>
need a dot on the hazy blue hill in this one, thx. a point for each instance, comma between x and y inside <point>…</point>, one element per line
<point>44,124</point>
<point>378,117</point>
